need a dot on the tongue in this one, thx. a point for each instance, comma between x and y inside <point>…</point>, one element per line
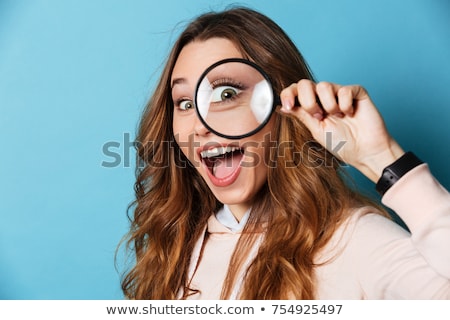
<point>223,167</point>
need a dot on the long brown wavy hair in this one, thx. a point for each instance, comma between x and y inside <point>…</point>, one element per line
<point>303,203</point>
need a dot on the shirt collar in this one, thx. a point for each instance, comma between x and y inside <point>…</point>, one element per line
<point>226,217</point>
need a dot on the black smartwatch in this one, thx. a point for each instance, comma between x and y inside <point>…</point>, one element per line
<point>392,173</point>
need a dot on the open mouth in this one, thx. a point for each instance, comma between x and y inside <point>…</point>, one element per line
<point>222,162</point>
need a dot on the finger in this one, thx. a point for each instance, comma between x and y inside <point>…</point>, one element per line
<point>348,97</point>
<point>312,122</point>
<point>359,92</point>
<point>307,98</point>
<point>345,98</point>
<point>287,97</point>
<point>326,92</point>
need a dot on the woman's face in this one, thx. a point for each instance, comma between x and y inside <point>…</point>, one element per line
<point>234,170</point>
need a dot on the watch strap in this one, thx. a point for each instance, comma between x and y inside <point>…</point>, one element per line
<point>392,173</point>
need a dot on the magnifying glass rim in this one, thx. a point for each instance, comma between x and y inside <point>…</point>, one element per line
<point>261,71</point>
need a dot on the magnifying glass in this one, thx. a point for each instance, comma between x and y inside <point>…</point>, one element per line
<point>234,98</point>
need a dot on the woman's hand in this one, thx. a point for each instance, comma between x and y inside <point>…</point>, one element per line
<point>346,122</point>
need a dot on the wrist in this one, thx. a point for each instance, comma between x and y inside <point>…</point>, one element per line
<point>396,170</point>
<point>373,165</point>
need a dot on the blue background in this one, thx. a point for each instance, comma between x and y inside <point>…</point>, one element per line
<point>75,75</point>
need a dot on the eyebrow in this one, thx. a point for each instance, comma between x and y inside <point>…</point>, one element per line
<point>177,81</point>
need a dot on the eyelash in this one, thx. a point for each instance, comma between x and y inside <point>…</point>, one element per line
<point>227,82</point>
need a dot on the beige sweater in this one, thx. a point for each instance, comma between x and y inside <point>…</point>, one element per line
<point>372,257</point>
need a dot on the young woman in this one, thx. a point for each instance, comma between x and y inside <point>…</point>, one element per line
<point>269,216</point>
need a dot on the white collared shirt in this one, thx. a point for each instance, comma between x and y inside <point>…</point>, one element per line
<point>226,217</point>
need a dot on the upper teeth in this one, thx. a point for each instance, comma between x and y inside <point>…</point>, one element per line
<point>214,152</point>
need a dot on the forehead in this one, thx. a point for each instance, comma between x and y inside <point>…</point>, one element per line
<point>196,56</point>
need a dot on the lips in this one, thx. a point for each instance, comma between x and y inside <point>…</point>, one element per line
<point>222,162</point>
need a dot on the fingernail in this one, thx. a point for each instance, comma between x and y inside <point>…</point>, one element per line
<point>286,105</point>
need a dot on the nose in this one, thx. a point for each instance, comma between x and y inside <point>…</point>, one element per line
<point>199,128</point>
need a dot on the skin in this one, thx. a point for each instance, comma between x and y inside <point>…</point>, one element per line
<point>346,111</point>
<point>191,135</point>
<point>351,116</point>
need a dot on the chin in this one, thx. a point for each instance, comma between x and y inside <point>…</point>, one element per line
<point>234,194</point>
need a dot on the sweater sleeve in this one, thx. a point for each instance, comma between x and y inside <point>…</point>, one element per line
<point>378,259</point>
<point>424,205</point>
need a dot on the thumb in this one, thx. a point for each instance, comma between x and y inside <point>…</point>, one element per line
<point>311,121</point>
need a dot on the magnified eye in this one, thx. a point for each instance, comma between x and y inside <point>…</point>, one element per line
<point>223,93</point>
<point>186,105</point>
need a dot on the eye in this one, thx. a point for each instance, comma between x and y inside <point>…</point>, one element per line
<point>186,105</point>
<point>223,93</point>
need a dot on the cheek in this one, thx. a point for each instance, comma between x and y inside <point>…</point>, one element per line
<point>183,125</point>
<point>184,140</point>
<point>266,143</point>
<point>177,126</point>
<point>256,160</point>
<point>180,132</point>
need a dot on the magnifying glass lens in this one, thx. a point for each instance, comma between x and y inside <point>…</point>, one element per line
<point>234,98</point>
